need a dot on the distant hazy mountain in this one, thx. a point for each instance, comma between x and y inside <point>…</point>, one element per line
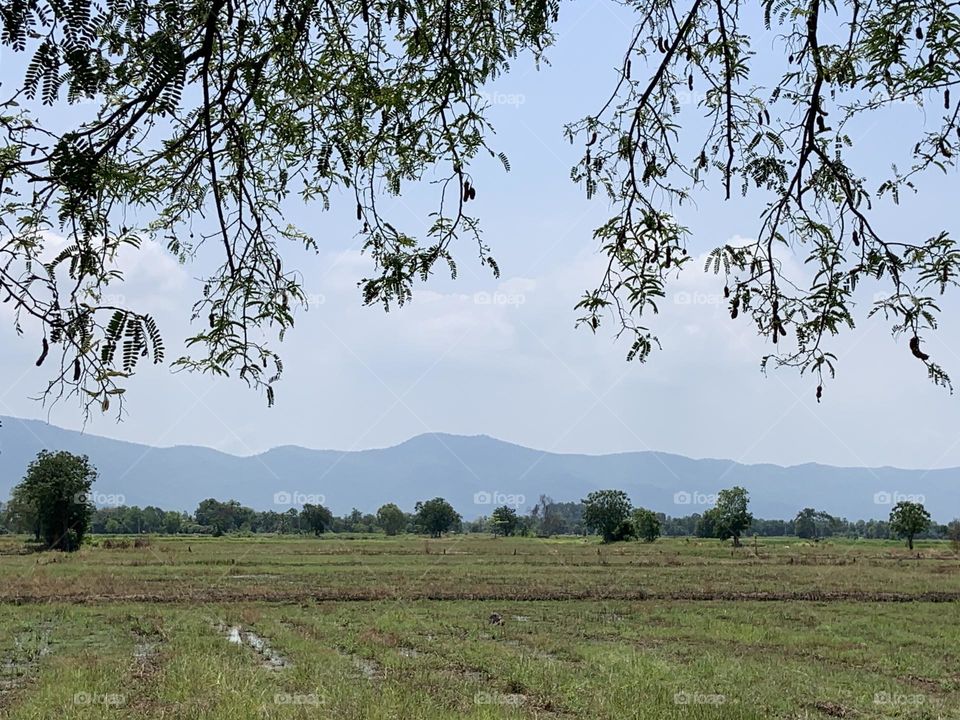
<point>475,473</point>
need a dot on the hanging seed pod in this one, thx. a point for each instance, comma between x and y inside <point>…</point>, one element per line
<point>627,71</point>
<point>212,319</point>
<point>690,82</point>
<point>726,291</point>
<point>919,33</point>
<point>946,99</point>
<point>819,392</point>
<point>735,308</point>
<point>43,353</point>
<point>593,139</point>
<point>856,238</point>
<point>667,261</point>
<point>915,349</point>
<point>473,193</point>
<point>790,59</point>
<point>760,118</point>
<point>76,370</point>
<point>359,212</point>
<point>703,159</point>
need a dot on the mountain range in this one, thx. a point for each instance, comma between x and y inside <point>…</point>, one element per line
<point>475,473</point>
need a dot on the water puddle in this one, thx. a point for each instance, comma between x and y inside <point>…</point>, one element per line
<point>269,658</point>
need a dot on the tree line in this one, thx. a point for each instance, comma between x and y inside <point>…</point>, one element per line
<point>53,504</point>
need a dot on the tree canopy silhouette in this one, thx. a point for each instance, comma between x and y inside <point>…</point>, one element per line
<point>201,117</point>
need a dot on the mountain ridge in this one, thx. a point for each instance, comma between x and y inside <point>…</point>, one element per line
<point>466,469</point>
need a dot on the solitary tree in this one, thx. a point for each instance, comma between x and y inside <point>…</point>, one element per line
<point>607,513</point>
<point>909,519</point>
<point>646,524</point>
<point>436,517</point>
<point>391,519</point>
<point>504,521</point>
<point>203,116</point>
<point>56,489</point>
<point>732,517</point>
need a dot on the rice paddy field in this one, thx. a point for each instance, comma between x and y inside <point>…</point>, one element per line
<point>477,627</point>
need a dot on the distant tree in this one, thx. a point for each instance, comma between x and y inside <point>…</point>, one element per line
<point>391,519</point>
<point>20,515</point>
<point>504,521</point>
<point>909,519</point>
<point>221,517</point>
<point>57,489</point>
<point>316,518</point>
<point>732,517</point>
<point>607,513</point>
<point>953,535</point>
<point>436,517</point>
<point>172,522</point>
<point>646,524</point>
<point>813,524</point>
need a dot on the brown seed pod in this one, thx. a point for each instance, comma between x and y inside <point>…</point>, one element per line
<point>43,353</point>
<point>919,33</point>
<point>690,82</point>
<point>627,72</point>
<point>915,349</point>
<point>473,193</point>
<point>359,212</point>
<point>819,392</point>
<point>76,370</point>
<point>726,291</point>
<point>212,319</point>
<point>946,99</point>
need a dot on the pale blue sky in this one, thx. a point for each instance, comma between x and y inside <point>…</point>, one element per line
<point>358,378</point>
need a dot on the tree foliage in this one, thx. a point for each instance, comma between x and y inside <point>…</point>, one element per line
<point>731,517</point>
<point>54,495</point>
<point>646,524</point>
<point>607,513</point>
<point>504,521</point>
<point>436,517</point>
<point>391,519</point>
<point>909,519</point>
<point>192,122</point>
<point>317,518</point>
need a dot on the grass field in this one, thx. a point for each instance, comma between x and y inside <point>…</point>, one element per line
<point>337,627</point>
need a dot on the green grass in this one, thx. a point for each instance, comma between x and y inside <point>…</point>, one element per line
<point>380,628</point>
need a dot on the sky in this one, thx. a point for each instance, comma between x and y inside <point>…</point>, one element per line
<point>502,357</point>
